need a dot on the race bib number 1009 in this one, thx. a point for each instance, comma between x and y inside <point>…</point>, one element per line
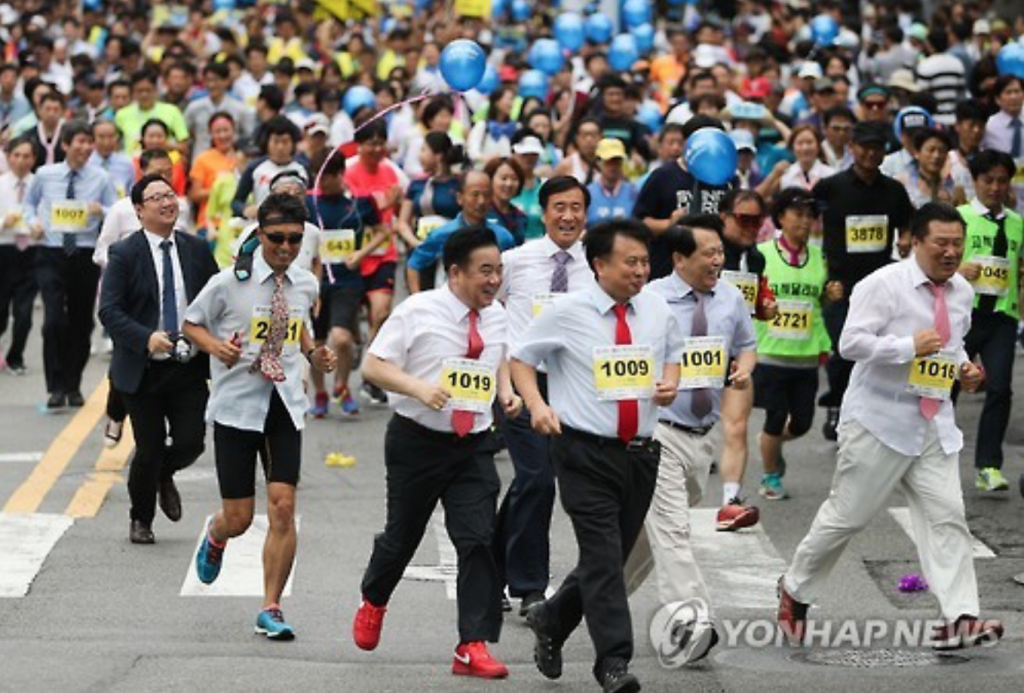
<point>624,372</point>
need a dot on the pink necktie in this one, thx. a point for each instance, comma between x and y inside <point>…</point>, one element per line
<point>462,420</point>
<point>930,407</point>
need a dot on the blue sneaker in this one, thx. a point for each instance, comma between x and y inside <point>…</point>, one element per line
<point>271,623</point>
<point>349,404</point>
<point>208,560</point>
<point>771,487</point>
<point>319,408</point>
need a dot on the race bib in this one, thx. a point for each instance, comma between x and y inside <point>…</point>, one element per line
<point>994,279</point>
<point>867,233</point>
<point>336,246</point>
<point>745,282</point>
<point>69,216</point>
<point>792,321</point>
<point>1018,177</point>
<point>472,384</point>
<point>259,329</point>
<point>381,249</point>
<point>428,224</point>
<point>624,372</point>
<point>541,301</point>
<point>933,376</point>
<point>702,363</point>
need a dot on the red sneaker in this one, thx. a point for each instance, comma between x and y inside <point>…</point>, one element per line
<point>367,626</point>
<point>473,659</point>
<point>792,615</point>
<point>967,631</point>
<point>736,516</point>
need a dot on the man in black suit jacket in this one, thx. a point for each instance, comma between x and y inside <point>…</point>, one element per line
<point>150,278</point>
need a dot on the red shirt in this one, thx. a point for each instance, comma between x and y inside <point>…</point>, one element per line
<point>362,183</point>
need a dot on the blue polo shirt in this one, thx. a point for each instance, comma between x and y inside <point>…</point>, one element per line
<point>428,252</point>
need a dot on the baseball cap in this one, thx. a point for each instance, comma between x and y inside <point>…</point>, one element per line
<point>743,140</point>
<point>317,123</point>
<point>903,79</point>
<point>872,90</point>
<point>305,64</point>
<point>982,27</point>
<point>918,31</point>
<point>757,88</point>
<point>911,118</point>
<point>611,148</point>
<point>529,145</point>
<point>869,133</point>
<point>810,70</point>
<point>824,84</point>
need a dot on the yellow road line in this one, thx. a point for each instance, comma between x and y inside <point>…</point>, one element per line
<point>31,493</point>
<point>93,492</point>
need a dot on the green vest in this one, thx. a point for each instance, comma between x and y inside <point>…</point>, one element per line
<point>981,236</point>
<point>793,333</point>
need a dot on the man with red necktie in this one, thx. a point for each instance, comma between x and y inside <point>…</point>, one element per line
<point>905,333</point>
<point>442,357</point>
<point>612,355</point>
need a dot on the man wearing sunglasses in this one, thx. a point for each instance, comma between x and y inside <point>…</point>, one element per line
<point>258,331</point>
<point>149,279</point>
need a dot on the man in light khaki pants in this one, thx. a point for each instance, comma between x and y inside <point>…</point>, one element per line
<point>905,333</point>
<point>716,323</point>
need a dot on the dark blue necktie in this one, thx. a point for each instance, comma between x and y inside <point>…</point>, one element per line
<point>1015,144</point>
<point>70,242</point>
<point>170,300</point>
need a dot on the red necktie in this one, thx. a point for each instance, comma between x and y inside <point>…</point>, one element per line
<point>629,409</point>
<point>462,420</point>
<point>930,407</point>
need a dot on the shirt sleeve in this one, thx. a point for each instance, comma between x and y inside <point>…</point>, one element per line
<point>542,339</point>
<point>870,312</point>
<point>208,305</point>
<point>427,251</point>
<point>745,338</point>
<point>395,336</point>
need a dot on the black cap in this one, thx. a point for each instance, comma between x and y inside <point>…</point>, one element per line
<point>870,133</point>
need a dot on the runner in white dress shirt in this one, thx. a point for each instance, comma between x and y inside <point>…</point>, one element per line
<point>905,333</point>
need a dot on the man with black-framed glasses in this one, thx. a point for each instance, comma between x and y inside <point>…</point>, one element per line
<point>257,327</point>
<point>150,277</point>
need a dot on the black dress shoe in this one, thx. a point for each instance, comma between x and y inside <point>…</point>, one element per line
<point>529,600</point>
<point>141,533</point>
<point>170,500</point>
<point>75,399</point>
<point>547,651</point>
<point>619,680</point>
<point>56,400</point>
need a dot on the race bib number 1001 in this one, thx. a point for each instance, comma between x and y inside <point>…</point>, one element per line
<point>624,372</point>
<point>702,363</point>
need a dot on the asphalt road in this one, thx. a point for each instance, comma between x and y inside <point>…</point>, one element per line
<point>104,615</point>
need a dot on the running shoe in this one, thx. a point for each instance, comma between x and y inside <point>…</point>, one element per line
<point>771,487</point>
<point>367,626</point>
<point>374,394</point>
<point>991,479</point>
<point>271,623</point>
<point>348,403</point>
<point>112,433</point>
<point>208,560</point>
<point>735,516</point>
<point>474,659</point>
<point>319,408</point>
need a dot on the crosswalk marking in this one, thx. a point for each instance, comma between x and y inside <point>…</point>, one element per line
<point>902,517</point>
<point>242,572</point>
<point>20,457</point>
<point>25,542</point>
<point>740,568</point>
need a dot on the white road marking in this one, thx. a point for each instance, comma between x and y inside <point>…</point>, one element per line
<point>447,569</point>
<point>16,457</point>
<point>902,517</point>
<point>25,542</point>
<point>241,575</point>
<point>740,568</point>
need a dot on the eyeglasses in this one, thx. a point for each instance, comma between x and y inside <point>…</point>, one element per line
<point>160,199</point>
<point>749,220</point>
<point>281,238</point>
<point>875,105</point>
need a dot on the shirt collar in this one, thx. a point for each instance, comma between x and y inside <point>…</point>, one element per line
<point>263,271</point>
<point>551,248</point>
<point>459,309</point>
<point>985,211</point>
<point>155,240</point>
<point>681,289</point>
<point>603,302</point>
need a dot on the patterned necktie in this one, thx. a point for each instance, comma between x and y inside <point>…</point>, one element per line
<point>700,399</point>
<point>1016,146</point>
<point>462,420</point>
<point>560,277</point>
<point>269,359</point>
<point>169,299</point>
<point>629,409</point>
<point>70,242</point>
<point>930,407</point>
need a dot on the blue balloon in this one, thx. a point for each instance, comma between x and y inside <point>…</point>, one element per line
<point>635,13</point>
<point>623,52</point>
<point>462,64</point>
<point>644,35</point>
<point>490,81</point>
<point>598,28</point>
<point>1010,60</point>
<point>711,156</point>
<point>824,30</point>
<point>223,5</point>
<point>533,83</point>
<point>546,56</point>
<point>357,97</point>
<point>521,10</point>
<point>650,116</point>
<point>569,31</point>
<point>498,7</point>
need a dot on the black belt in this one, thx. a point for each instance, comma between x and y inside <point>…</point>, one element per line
<point>634,444</point>
<point>440,436</point>
<point>699,431</point>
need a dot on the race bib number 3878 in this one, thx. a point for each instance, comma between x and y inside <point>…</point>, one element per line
<point>866,233</point>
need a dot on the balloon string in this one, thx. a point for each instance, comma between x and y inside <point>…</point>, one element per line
<point>425,94</point>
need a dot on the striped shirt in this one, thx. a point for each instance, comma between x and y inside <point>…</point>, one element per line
<point>944,77</point>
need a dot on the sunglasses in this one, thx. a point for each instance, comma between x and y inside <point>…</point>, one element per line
<point>281,238</point>
<point>875,105</point>
<point>750,220</point>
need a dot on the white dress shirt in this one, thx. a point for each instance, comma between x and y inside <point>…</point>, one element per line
<point>122,221</point>
<point>225,306</point>
<point>564,336</point>
<point>526,278</point>
<point>180,297</point>
<point>886,309</point>
<point>10,202</point>
<point>423,331</point>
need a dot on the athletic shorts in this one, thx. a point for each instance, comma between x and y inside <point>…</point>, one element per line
<point>339,307</point>
<point>383,279</point>
<point>279,447</point>
<point>783,388</point>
